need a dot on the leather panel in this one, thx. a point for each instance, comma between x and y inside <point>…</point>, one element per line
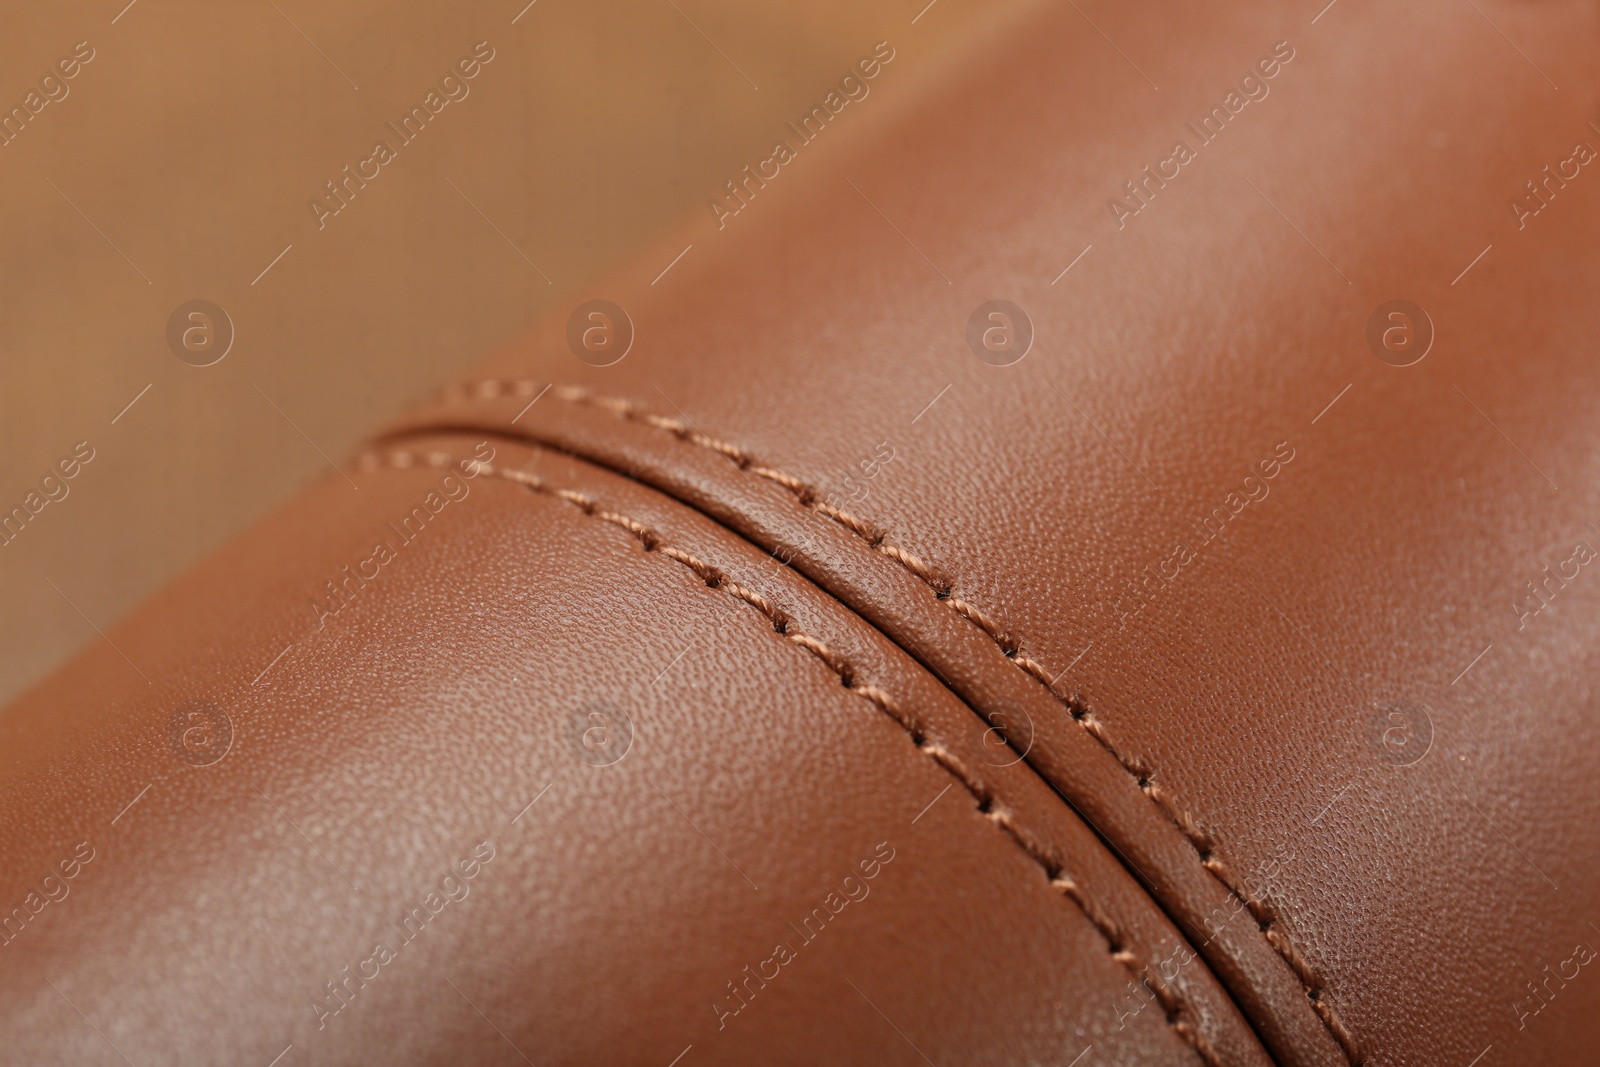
<point>1226,556</point>
<point>544,780</point>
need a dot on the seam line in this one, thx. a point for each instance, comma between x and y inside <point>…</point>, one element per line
<point>1179,1015</point>
<point>1267,919</point>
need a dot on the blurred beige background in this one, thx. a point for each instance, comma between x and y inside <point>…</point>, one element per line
<point>179,163</point>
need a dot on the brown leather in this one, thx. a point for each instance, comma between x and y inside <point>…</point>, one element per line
<point>701,784</point>
<point>1335,752</point>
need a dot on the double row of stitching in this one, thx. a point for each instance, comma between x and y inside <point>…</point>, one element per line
<point>808,496</point>
<point>1205,847</point>
<point>1180,1016</point>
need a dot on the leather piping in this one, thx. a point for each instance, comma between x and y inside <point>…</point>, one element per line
<point>811,499</point>
<point>1179,1015</point>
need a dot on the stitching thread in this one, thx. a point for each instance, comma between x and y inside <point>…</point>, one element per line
<point>810,497</point>
<point>1205,847</point>
<point>1178,1012</point>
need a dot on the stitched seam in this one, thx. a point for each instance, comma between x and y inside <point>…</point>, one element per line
<point>1178,1012</point>
<point>1266,917</point>
<point>810,497</point>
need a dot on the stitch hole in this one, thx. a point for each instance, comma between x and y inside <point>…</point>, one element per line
<point>986,804</point>
<point>1144,783</point>
<point>942,593</point>
<point>918,738</point>
<point>1314,995</point>
<point>1079,712</point>
<point>1011,653</point>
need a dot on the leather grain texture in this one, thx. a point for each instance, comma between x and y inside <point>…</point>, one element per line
<point>698,835</point>
<point>1286,630</point>
<point>1223,555</point>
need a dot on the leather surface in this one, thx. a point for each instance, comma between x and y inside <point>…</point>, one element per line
<point>531,763</point>
<point>1378,535</point>
<point>1339,740</point>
